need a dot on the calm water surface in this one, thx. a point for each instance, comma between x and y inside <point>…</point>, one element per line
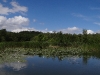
<point>35,65</point>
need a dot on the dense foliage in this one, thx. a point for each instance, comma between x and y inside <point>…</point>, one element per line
<point>37,39</point>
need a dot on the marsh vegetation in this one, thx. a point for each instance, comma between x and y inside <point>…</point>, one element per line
<point>30,52</point>
<point>75,44</point>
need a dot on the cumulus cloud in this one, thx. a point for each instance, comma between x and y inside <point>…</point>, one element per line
<point>24,29</point>
<point>76,30</point>
<point>4,10</point>
<point>90,32</point>
<point>17,22</point>
<point>46,31</point>
<point>71,30</point>
<point>15,8</point>
<point>18,8</point>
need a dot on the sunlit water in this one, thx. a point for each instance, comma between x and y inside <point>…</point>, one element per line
<point>35,65</point>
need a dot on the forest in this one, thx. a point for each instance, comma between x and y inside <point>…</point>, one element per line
<point>36,39</point>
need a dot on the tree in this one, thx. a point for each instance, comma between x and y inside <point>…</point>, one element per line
<point>84,32</point>
<point>85,39</point>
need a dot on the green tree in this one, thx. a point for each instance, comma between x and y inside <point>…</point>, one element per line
<point>85,39</point>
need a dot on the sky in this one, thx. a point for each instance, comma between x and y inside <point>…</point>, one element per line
<point>68,16</point>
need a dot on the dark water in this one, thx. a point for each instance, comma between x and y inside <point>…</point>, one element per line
<point>35,65</point>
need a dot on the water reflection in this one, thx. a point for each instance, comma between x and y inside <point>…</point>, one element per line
<point>85,59</point>
<point>48,63</point>
<point>15,61</point>
<point>73,59</point>
<point>16,66</point>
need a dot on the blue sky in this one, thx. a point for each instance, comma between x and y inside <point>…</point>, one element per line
<point>68,16</point>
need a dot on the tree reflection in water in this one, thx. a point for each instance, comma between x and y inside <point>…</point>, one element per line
<point>15,58</point>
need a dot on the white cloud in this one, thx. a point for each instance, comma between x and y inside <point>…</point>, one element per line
<point>97,23</point>
<point>4,10</point>
<point>18,8</point>
<point>16,23</point>
<point>90,32</point>
<point>71,30</point>
<point>82,16</point>
<point>44,30</point>
<point>15,8</point>
<point>24,29</point>
<point>11,24</point>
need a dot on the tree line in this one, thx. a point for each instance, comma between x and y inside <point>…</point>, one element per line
<point>55,39</point>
